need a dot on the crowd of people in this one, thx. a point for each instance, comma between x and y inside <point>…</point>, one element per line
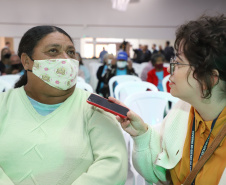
<point>143,54</point>
<point>120,64</point>
<point>56,137</point>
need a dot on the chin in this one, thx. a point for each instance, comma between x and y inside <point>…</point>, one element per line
<point>174,93</point>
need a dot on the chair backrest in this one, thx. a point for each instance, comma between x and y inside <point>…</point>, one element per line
<point>150,105</point>
<point>10,79</point>
<point>137,68</point>
<point>4,86</point>
<point>142,66</point>
<point>85,86</point>
<point>166,64</point>
<point>80,79</point>
<point>164,82</point>
<point>119,79</point>
<point>126,88</point>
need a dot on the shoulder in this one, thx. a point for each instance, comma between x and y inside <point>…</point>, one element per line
<point>152,71</point>
<point>80,97</point>
<point>10,97</point>
<point>177,118</point>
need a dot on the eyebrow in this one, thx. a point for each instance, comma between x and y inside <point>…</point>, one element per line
<point>59,46</point>
<point>53,45</point>
<point>71,47</point>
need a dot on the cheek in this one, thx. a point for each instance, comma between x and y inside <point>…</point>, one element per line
<point>192,81</point>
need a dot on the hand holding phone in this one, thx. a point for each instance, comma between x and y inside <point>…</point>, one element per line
<point>107,105</point>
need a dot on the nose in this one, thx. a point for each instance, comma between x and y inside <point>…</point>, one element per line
<point>65,55</point>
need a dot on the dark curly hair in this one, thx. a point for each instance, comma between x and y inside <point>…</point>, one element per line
<point>204,45</point>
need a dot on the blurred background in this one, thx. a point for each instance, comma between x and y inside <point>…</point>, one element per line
<point>94,24</point>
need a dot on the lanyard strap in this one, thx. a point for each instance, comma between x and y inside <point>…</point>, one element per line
<point>193,143</point>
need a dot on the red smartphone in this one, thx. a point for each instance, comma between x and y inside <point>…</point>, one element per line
<point>107,105</point>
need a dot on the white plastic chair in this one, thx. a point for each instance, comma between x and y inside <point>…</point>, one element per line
<point>4,86</point>
<point>80,79</point>
<point>166,64</point>
<point>142,66</point>
<point>85,86</point>
<point>150,105</point>
<point>137,178</point>
<point>119,79</point>
<point>11,79</point>
<point>137,68</point>
<point>164,82</point>
<point>126,88</point>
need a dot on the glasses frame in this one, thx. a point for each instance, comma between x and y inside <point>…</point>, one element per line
<point>173,64</point>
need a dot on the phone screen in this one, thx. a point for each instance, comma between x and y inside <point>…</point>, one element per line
<point>108,105</point>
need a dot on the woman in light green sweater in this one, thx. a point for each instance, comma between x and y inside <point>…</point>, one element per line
<point>49,135</point>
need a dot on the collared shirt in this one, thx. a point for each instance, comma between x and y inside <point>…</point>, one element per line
<point>212,171</point>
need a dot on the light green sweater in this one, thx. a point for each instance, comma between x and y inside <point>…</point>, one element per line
<point>77,144</point>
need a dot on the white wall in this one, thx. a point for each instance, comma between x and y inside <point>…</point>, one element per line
<point>147,19</point>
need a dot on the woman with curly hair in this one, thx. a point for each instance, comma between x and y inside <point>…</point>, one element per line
<point>198,77</point>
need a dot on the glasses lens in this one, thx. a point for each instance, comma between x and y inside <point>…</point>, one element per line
<point>172,68</point>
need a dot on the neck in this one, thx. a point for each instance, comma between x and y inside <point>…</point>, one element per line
<point>121,68</point>
<point>157,69</point>
<point>209,109</point>
<point>56,96</point>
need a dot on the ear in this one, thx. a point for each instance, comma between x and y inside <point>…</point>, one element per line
<point>25,60</point>
<point>215,77</point>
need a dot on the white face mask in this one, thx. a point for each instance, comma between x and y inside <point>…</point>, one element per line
<point>121,64</point>
<point>58,73</point>
<point>109,61</point>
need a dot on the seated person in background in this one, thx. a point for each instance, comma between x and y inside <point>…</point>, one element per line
<point>84,70</point>
<point>154,50</point>
<point>5,62</point>
<point>138,54</point>
<point>121,66</point>
<point>146,54</point>
<point>168,51</point>
<point>15,65</point>
<point>157,74</point>
<point>161,51</point>
<point>102,71</point>
<point>55,136</point>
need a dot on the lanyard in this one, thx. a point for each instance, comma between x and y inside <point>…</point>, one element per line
<point>193,142</point>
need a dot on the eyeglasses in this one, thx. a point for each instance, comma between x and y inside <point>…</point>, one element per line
<point>173,64</point>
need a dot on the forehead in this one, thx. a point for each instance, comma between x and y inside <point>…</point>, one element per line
<point>55,38</point>
<point>159,59</point>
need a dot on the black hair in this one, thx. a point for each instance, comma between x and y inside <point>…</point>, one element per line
<point>80,59</point>
<point>154,58</point>
<point>30,40</point>
<point>123,45</point>
<point>3,49</point>
<point>204,45</point>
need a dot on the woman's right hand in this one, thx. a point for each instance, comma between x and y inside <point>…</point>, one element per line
<point>133,124</point>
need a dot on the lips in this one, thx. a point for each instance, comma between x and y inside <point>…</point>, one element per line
<point>171,82</point>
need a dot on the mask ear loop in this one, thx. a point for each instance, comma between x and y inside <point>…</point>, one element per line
<point>33,61</point>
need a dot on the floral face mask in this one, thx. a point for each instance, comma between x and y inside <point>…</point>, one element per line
<point>58,73</point>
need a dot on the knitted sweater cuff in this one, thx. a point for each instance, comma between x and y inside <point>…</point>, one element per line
<point>142,142</point>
